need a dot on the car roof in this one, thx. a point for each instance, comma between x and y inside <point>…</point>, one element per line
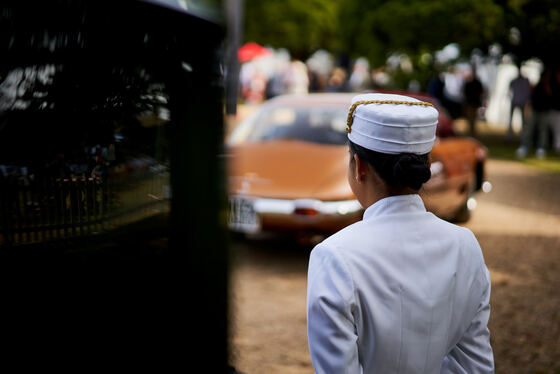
<point>340,97</point>
<point>313,98</point>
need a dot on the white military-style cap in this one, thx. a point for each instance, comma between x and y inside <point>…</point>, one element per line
<point>393,124</point>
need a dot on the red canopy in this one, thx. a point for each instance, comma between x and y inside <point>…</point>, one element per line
<point>250,51</point>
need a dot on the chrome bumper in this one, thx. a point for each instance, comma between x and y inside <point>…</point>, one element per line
<point>277,206</point>
<point>299,214</point>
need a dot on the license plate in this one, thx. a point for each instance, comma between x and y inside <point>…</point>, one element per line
<point>242,216</point>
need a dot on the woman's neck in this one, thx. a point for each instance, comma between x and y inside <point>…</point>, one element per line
<point>376,189</point>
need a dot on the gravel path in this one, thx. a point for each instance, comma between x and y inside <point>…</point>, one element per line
<point>518,227</point>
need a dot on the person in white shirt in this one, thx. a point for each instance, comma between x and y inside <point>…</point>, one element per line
<point>401,291</point>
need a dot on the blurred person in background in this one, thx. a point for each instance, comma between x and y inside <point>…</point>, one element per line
<point>275,86</point>
<point>555,110</point>
<point>320,66</point>
<point>256,89</point>
<point>472,93</point>
<point>360,77</point>
<point>520,94</point>
<point>277,82</point>
<point>338,81</point>
<point>246,72</point>
<point>380,78</point>
<point>435,86</point>
<point>297,78</point>
<point>413,86</point>
<point>317,82</point>
<point>539,120</point>
<point>452,98</point>
<point>402,290</point>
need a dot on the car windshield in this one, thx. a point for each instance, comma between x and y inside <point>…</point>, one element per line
<point>315,124</point>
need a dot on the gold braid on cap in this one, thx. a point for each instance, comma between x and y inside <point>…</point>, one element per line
<point>350,118</point>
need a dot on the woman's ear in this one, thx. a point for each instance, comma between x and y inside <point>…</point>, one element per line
<point>360,168</point>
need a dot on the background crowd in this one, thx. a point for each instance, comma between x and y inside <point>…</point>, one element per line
<point>521,96</point>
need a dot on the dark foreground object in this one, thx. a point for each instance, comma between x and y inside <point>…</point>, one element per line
<point>113,251</point>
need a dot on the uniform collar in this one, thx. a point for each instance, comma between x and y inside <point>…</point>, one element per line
<point>395,204</point>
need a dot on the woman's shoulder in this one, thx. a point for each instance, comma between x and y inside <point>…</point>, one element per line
<point>345,236</point>
<point>337,247</point>
<point>463,238</point>
<point>384,231</point>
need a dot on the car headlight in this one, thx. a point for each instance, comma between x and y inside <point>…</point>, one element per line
<point>436,168</point>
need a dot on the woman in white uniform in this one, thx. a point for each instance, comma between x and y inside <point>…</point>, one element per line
<point>401,291</point>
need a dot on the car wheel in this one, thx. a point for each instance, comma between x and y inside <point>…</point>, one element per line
<point>463,214</point>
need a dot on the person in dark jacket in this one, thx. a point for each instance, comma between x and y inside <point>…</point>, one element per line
<point>539,121</point>
<point>472,92</point>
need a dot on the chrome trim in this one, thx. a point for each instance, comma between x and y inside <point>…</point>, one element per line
<point>280,206</point>
<point>342,207</point>
<point>274,206</point>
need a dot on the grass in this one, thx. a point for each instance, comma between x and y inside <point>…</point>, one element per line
<point>498,148</point>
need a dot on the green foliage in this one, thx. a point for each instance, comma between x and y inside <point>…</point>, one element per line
<point>539,23</point>
<point>376,28</point>
<point>417,25</point>
<point>300,26</point>
<point>499,149</point>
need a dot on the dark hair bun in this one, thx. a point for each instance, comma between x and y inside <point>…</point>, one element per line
<point>411,170</point>
<point>400,170</point>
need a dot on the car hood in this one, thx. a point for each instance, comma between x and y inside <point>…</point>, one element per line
<point>289,170</point>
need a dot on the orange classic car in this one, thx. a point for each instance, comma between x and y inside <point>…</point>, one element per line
<point>288,161</point>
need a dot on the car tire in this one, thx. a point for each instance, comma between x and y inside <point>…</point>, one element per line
<point>463,214</point>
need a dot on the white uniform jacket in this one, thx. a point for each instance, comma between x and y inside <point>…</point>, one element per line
<point>401,291</point>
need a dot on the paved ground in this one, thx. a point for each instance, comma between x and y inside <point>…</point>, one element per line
<point>518,226</point>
